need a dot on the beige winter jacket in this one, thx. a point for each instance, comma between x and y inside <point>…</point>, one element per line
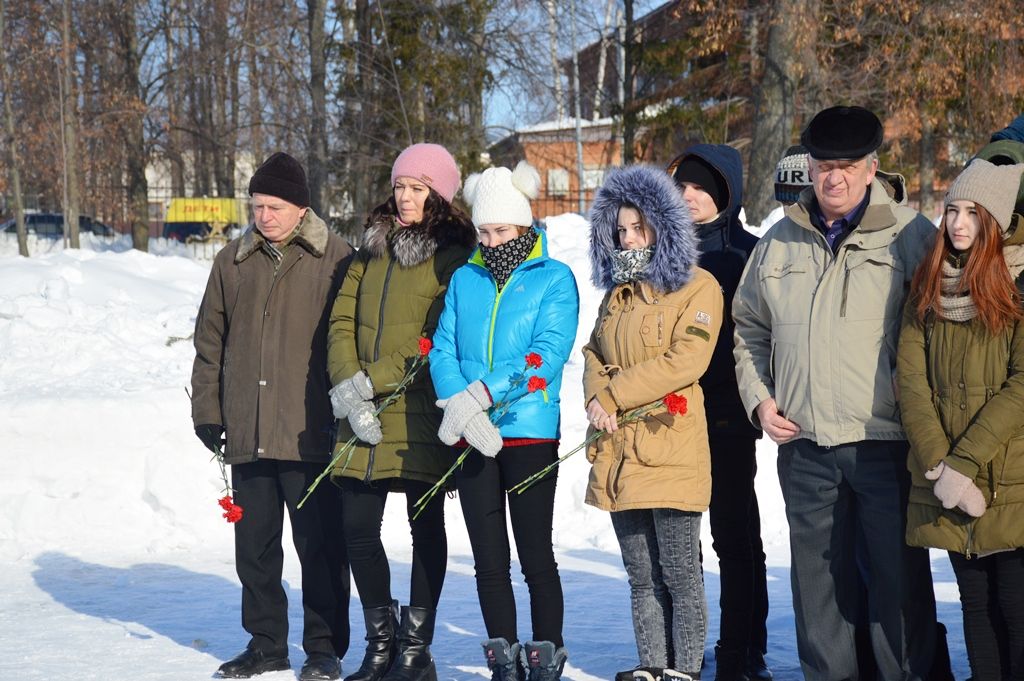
<point>645,345</point>
<point>818,331</point>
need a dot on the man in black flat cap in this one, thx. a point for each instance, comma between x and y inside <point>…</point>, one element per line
<point>260,381</point>
<point>817,318</point>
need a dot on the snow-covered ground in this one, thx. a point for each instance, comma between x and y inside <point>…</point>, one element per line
<point>115,561</point>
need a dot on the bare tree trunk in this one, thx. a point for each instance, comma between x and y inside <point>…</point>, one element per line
<point>629,114</point>
<point>174,117</point>
<point>602,59</point>
<point>926,167</point>
<point>123,23</point>
<point>255,100</point>
<point>15,175</point>
<point>69,115</point>
<point>318,93</point>
<point>773,107</point>
<point>576,97</point>
<point>556,72</point>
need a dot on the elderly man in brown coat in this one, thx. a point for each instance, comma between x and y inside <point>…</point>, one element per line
<point>260,382</point>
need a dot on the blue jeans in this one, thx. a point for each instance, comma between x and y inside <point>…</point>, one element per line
<point>661,553</point>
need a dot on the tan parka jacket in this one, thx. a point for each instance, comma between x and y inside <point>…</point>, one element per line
<point>645,345</point>
<point>261,345</point>
<point>655,334</point>
<point>818,331</point>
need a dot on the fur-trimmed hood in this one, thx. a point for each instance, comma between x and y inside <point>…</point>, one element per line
<point>652,191</point>
<point>312,235</point>
<point>417,243</point>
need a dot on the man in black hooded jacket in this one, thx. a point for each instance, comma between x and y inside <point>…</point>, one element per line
<point>710,177</point>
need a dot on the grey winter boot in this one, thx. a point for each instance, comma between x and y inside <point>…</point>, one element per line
<point>381,643</point>
<point>504,660</point>
<point>543,662</point>
<point>414,661</point>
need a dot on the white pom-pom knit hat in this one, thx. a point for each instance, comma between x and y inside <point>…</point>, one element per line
<point>500,196</point>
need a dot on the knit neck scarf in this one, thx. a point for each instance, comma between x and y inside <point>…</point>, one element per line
<point>501,260</point>
<point>629,264</point>
<point>957,304</point>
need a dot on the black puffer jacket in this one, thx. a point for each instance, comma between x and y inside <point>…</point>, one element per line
<point>724,248</point>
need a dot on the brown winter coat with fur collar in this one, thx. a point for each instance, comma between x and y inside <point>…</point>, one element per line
<point>261,345</point>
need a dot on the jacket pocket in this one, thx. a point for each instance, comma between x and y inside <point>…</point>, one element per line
<point>652,329</point>
<point>872,286</point>
<point>1013,462</point>
<point>664,439</point>
<point>786,287</point>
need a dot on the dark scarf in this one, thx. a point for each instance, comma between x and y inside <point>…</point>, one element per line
<point>501,260</point>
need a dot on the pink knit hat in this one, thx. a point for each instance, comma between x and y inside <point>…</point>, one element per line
<point>432,165</point>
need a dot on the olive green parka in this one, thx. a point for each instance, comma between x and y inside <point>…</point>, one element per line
<point>962,403</point>
<point>392,295</point>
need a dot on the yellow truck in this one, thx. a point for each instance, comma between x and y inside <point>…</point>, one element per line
<point>200,219</point>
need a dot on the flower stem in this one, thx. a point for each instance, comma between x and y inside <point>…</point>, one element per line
<point>349,446</point>
<point>421,503</point>
<point>634,415</point>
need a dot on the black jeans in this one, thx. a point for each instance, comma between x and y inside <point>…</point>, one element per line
<point>263,488</point>
<point>736,534</point>
<point>992,599</point>
<point>482,484</point>
<point>363,514</point>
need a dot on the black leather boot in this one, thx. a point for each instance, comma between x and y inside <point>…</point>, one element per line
<point>414,661</point>
<point>381,643</point>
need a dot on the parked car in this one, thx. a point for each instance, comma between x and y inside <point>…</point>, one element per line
<point>51,225</point>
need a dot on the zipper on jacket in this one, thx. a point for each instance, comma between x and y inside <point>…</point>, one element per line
<point>970,539</point>
<point>846,291</point>
<point>494,316</point>
<point>376,354</point>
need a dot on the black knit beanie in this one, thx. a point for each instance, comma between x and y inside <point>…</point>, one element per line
<point>698,171</point>
<point>281,176</point>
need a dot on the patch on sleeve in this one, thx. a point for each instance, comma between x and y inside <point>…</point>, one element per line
<point>698,332</point>
<point>703,318</point>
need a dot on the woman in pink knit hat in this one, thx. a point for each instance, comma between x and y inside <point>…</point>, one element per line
<point>392,296</point>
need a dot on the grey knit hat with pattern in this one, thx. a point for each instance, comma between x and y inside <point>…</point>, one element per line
<point>994,187</point>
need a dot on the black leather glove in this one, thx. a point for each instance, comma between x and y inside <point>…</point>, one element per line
<point>210,434</point>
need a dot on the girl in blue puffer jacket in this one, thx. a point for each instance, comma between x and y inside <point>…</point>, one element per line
<point>511,300</point>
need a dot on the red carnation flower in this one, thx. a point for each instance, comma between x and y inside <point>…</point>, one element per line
<point>676,404</point>
<point>425,346</point>
<point>232,511</point>
<point>534,360</point>
<point>536,383</point>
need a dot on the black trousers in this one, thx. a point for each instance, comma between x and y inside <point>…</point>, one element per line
<point>992,599</point>
<point>363,505</point>
<point>482,484</point>
<point>263,489</point>
<point>736,534</point>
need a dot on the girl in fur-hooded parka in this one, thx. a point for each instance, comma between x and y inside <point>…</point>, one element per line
<point>655,334</point>
<point>392,295</point>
